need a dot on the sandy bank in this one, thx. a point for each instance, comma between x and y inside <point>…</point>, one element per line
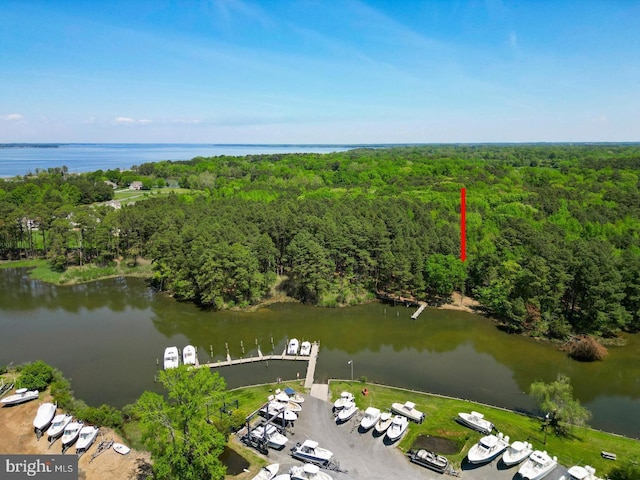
<point>17,437</point>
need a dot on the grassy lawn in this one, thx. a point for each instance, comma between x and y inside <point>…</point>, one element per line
<point>582,447</point>
<point>128,196</point>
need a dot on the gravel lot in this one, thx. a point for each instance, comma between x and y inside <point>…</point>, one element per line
<point>366,457</point>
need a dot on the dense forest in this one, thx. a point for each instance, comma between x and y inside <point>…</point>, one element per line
<point>553,244</point>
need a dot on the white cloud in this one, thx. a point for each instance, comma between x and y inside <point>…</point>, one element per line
<point>132,121</point>
<point>13,117</point>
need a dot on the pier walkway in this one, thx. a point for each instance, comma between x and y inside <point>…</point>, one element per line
<point>310,359</point>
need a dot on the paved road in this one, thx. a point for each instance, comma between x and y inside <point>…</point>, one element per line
<point>367,457</point>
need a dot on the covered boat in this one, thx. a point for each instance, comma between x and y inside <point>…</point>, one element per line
<point>309,451</point>
<point>58,425</point>
<point>397,428</point>
<point>516,453</point>
<point>271,435</point>
<point>371,417</point>
<point>292,347</point>
<point>475,421</point>
<point>268,472</point>
<point>538,465</point>
<point>171,358</point>
<point>308,471</point>
<point>408,409</point>
<point>305,348</point>
<point>22,395</point>
<point>384,422</point>
<point>345,398</point>
<point>189,355</point>
<point>487,448</point>
<point>429,460</point>
<point>44,416</point>
<point>582,473</point>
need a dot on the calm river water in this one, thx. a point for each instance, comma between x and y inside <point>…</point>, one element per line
<point>107,335</point>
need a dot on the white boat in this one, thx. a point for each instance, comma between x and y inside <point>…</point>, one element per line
<point>371,417</point>
<point>384,423</point>
<point>309,451</point>
<point>537,466</point>
<point>429,460</point>
<point>86,437</point>
<point>488,448</point>
<point>58,425</point>
<point>268,472</point>
<point>279,410</point>
<point>293,395</point>
<point>284,399</point>
<point>22,395</point>
<point>189,355</point>
<point>271,434</point>
<point>282,476</point>
<point>70,433</point>
<point>581,473</point>
<point>305,348</point>
<point>44,416</point>
<point>121,448</point>
<point>171,358</point>
<point>345,398</point>
<point>397,428</point>
<point>516,453</point>
<point>408,409</point>
<point>292,347</point>
<point>476,421</point>
<point>308,471</point>
<point>348,411</point>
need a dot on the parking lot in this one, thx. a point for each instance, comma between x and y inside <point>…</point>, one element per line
<point>363,456</point>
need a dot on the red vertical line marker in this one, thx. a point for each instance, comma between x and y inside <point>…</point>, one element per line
<point>463,224</point>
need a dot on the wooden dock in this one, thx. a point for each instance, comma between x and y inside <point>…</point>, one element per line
<point>310,359</point>
<point>417,313</point>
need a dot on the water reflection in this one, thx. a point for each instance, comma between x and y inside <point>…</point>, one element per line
<point>108,335</point>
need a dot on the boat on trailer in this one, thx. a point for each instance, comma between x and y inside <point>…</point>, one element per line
<point>487,448</point>
<point>371,417</point>
<point>516,453</point>
<point>22,395</point>
<point>429,459</point>
<point>538,465</point>
<point>309,451</point>
<point>58,425</point>
<point>44,416</point>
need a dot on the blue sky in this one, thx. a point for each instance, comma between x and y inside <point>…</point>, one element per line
<point>239,71</point>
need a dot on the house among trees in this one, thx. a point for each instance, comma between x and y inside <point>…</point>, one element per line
<point>111,184</point>
<point>137,185</point>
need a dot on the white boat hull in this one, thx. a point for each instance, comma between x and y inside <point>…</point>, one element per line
<point>397,428</point>
<point>408,410</point>
<point>268,472</point>
<point>371,417</point>
<point>86,438</point>
<point>22,395</point>
<point>347,412</point>
<point>487,449</point>
<point>476,421</point>
<point>538,465</point>
<point>58,425</point>
<point>516,453</point>
<point>44,416</point>
<point>121,449</point>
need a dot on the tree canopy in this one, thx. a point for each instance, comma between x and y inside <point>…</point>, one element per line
<point>553,231</point>
<point>556,399</point>
<point>183,444</point>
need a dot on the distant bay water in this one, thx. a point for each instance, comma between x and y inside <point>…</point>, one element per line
<point>21,159</point>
